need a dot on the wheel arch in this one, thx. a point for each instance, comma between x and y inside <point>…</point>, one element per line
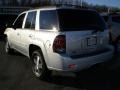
<point>33,47</point>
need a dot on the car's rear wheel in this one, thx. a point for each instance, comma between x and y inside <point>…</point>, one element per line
<point>7,47</point>
<point>38,65</point>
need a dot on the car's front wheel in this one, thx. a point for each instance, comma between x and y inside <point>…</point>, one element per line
<point>38,65</point>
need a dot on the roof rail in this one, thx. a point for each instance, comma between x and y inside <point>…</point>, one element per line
<point>115,13</point>
<point>71,5</point>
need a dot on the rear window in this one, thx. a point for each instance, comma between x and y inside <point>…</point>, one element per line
<point>80,20</point>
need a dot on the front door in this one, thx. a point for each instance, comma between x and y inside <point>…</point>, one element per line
<point>16,35</point>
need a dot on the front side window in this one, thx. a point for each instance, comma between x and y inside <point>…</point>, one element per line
<point>19,21</point>
<point>48,19</point>
<point>30,20</point>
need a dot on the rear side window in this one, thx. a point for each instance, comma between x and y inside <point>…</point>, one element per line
<point>30,20</point>
<point>19,21</point>
<point>116,19</point>
<point>80,20</point>
<point>48,19</point>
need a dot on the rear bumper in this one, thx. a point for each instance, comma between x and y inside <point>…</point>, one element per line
<point>65,63</point>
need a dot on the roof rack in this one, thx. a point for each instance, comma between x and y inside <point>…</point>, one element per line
<point>71,5</point>
<point>115,13</point>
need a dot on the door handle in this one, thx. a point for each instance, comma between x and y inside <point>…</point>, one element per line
<point>30,35</point>
<point>18,34</point>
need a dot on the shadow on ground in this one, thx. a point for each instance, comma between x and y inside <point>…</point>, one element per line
<point>16,74</point>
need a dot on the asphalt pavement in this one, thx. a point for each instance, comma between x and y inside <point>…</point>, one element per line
<point>16,74</point>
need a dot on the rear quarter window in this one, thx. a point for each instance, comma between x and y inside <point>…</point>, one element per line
<point>48,19</point>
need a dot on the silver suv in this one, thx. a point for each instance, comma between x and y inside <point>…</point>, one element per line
<point>62,39</point>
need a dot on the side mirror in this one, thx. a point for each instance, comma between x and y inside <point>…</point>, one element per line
<point>6,25</point>
<point>14,27</point>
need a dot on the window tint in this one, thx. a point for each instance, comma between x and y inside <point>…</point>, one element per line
<point>18,23</point>
<point>48,19</point>
<point>116,19</point>
<point>30,20</point>
<point>80,20</point>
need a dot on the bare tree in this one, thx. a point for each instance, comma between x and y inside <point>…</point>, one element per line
<point>3,2</point>
<point>29,2</point>
<point>13,2</point>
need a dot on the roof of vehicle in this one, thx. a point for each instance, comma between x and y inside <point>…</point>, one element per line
<point>56,8</point>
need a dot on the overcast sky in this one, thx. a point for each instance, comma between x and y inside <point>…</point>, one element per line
<point>115,3</point>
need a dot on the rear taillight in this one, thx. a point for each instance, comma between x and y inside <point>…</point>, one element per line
<point>59,44</point>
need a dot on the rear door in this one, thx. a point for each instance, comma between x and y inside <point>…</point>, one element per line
<point>27,33</point>
<point>84,42</point>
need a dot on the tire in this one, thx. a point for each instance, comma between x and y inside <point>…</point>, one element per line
<point>39,66</point>
<point>7,47</point>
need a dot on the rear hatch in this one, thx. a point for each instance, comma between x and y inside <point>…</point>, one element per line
<point>84,31</point>
<point>84,42</point>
